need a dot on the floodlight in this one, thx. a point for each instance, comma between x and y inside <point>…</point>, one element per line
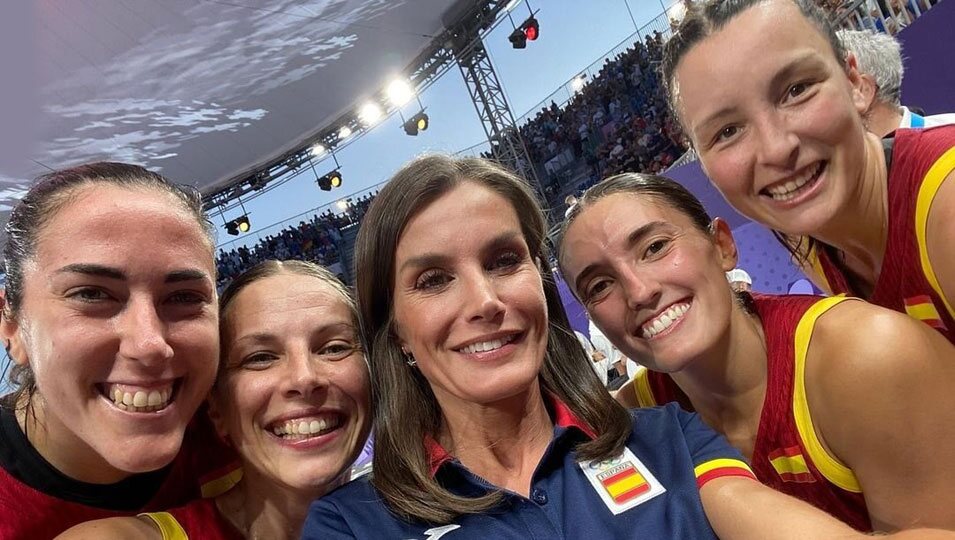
<point>344,132</point>
<point>318,150</point>
<point>399,92</point>
<point>370,113</point>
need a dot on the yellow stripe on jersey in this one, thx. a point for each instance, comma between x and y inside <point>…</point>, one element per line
<point>641,384</point>
<point>822,282</point>
<point>168,526</point>
<point>214,488</point>
<point>830,467</point>
<point>720,463</point>
<point>923,312</point>
<point>790,464</point>
<point>942,167</point>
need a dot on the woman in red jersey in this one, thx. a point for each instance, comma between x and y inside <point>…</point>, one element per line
<point>773,106</point>
<point>835,401</point>
<point>292,397</point>
<point>109,316</point>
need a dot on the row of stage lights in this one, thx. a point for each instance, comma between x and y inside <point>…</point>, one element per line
<point>398,93</point>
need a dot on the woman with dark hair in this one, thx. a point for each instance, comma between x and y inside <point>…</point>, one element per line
<point>832,400</point>
<point>109,316</point>
<point>489,421</point>
<point>773,106</point>
<point>291,397</point>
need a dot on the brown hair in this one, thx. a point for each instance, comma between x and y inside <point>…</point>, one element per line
<point>405,408</point>
<point>50,193</point>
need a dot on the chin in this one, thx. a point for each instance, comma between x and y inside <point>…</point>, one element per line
<point>143,456</point>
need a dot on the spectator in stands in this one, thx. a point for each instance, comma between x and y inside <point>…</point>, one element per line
<point>870,220</point>
<point>838,402</point>
<point>109,315</point>
<point>486,408</point>
<point>291,396</point>
<point>879,60</point>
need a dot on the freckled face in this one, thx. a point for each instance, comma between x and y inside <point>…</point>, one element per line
<point>775,118</point>
<point>651,280</point>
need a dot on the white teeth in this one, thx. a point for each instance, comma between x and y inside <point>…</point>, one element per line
<point>487,345</point>
<point>664,320</point>
<point>139,400</point>
<point>305,428</point>
<point>788,190</point>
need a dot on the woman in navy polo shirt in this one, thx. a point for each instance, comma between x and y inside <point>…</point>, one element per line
<point>489,421</point>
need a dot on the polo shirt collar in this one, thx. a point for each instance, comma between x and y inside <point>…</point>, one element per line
<point>563,418</point>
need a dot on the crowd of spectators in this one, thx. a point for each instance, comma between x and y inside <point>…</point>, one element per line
<point>617,122</point>
<point>317,240</point>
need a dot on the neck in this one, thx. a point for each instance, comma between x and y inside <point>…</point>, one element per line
<point>61,448</point>
<point>860,230</point>
<point>883,119</point>
<point>727,384</point>
<point>261,508</point>
<point>502,442</point>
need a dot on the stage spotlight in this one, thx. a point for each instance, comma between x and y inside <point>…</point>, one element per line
<point>528,30</point>
<point>399,92</point>
<point>344,132</point>
<point>330,181</point>
<point>238,225</point>
<point>318,150</point>
<point>416,123</point>
<point>369,113</point>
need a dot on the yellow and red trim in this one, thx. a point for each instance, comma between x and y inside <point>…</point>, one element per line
<point>168,526</point>
<point>931,183</point>
<point>220,481</point>
<point>719,468</point>
<point>641,385</point>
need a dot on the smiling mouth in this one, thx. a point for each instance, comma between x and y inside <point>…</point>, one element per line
<point>488,346</point>
<point>664,321</point>
<point>785,191</point>
<point>138,399</point>
<point>301,429</point>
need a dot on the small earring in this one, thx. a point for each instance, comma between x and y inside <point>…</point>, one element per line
<point>409,358</point>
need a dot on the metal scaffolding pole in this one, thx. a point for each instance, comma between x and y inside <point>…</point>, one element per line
<point>486,92</point>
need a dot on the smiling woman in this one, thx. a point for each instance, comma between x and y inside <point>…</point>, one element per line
<point>489,420</point>
<point>109,314</point>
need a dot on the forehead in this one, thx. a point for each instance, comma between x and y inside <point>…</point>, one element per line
<point>630,209</point>
<point>96,218</point>
<point>284,297</point>
<point>748,48</point>
<point>467,212</point>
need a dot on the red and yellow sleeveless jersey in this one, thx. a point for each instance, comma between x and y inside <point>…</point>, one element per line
<point>197,520</point>
<point>204,467</point>
<point>787,455</point>
<point>921,160</point>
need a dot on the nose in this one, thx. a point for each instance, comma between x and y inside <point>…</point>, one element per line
<point>482,301</point>
<point>778,145</point>
<point>304,374</point>
<point>143,333</point>
<point>640,289</point>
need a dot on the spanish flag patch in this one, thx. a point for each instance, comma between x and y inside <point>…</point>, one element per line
<point>791,466</point>
<point>623,482</point>
<point>922,308</point>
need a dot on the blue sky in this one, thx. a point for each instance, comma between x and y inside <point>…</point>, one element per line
<point>574,34</point>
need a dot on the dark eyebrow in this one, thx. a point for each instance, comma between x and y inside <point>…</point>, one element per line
<point>634,238</point>
<point>99,270</point>
<point>437,259</point>
<point>779,78</point>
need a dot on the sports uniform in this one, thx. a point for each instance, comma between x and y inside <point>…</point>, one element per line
<point>920,161</point>
<point>650,491</point>
<point>198,520</point>
<point>787,455</point>
<point>37,501</point>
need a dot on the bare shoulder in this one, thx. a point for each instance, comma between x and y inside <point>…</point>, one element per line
<point>119,528</point>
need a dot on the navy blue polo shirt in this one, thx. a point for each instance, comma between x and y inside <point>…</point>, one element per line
<point>652,491</point>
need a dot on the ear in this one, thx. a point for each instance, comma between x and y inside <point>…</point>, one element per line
<point>725,245</point>
<point>858,83</point>
<point>10,334</point>
<point>215,414</point>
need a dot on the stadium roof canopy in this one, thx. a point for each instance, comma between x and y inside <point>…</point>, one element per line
<point>204,91</point>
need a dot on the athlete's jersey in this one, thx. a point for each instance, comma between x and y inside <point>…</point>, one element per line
<point>198,520</point>
<point>921,159</point>
<point>38,502</point>
<point>787,455</point>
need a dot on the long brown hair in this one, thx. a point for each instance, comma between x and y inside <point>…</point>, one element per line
<point>405,407</point>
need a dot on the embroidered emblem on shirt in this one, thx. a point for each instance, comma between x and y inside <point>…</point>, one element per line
<point>922,308</point>
<point>437,532</point>
<point>790,464</point>
<point>622,482</point>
